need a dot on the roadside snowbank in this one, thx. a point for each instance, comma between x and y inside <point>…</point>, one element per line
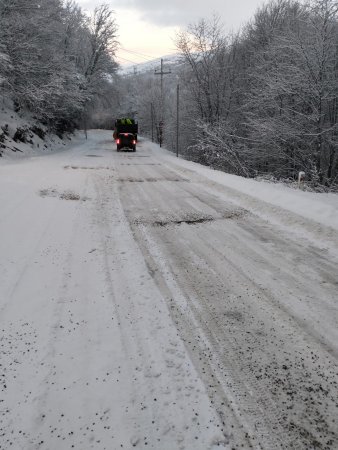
<point>22,136</point>
<point>318,207</point>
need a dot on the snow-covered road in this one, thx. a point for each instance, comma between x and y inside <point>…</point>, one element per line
<point>149,302</point>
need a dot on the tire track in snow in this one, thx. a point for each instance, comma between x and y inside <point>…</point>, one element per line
<point>166,374</point>
<point>166,248</point>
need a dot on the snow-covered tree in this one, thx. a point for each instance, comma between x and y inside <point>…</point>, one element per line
<point>266,100</point>
<point>54,59</point>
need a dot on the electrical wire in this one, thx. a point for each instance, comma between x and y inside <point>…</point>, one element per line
<point>152,59</point>
<point>143,55</point>
<point>129,60</point>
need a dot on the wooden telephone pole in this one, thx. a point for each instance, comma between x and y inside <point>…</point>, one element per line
<point>152,121</point>
<point>161,73</point>
<point>177,116</point>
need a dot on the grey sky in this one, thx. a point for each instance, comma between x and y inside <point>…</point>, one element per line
<point>146,28</point>
<point>234,13</point>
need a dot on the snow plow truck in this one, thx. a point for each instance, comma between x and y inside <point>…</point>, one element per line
<point>125,134</point>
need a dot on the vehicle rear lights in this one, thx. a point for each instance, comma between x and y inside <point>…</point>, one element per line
<point>134,142</point>
<point>117,141</point>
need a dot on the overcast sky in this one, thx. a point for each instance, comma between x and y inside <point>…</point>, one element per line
<point>147,27</point>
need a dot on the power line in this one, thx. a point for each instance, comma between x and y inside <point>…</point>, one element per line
<point>129,60</point>
<point>142,62</point>
<point>143,55</point>
<point>138,53</point>
<point>137,63</point>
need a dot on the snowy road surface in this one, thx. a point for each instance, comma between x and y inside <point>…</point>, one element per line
<point>147,304</point>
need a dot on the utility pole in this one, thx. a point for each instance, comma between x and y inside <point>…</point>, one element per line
<point>152,121</point>
<point>85,123</point>
<point>161,73</point>
<point>177,117</point>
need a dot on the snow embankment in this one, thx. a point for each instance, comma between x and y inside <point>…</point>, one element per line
<point>21,135</point>
<point>309,214</point>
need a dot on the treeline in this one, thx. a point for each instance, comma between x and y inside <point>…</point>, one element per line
<point>263,101</point>
<point>55,61</point>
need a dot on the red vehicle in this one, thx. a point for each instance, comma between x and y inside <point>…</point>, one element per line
<point>125,134</point>
<point>126,141</point>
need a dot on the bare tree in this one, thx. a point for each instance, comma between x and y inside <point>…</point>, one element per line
<point>205,50</point>
<point>266,99</point>
<point>54,59</point>
<point>292,100</point>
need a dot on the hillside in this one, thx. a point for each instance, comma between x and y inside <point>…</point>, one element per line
<point>22,135</point>
<point>152,65</point>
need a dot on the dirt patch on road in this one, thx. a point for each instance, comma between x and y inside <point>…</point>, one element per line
<point>192,218</point>
<point>235,316</point>
<point>136,156</point>
<point>151,179</point>
<point>69,195</point>
<point>65,195</point>
<point>141,164</point>
<point>198,218</point>
<point>188,218</point>
<point>235,214</point>
<point>48,192</point>
<point>88,168</point>
<point>191,221</point>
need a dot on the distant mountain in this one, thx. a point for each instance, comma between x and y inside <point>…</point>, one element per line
<point>152,65</point>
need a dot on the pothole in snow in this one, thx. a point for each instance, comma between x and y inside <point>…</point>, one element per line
<point>234,315</point>
<point>151,180</point>
<point>234,214</point>
<point>48,193</point>
<point>136,156</point>
<point>189,218</point>
<point>130,180</point>
<point>69,195</point>
<point>66,195</point>
<point>140,164</point>
<point>192,221</point>
<point>88,168</point>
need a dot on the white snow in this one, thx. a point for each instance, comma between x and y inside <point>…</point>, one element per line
<point>320,207</point>
<point>306,214</point>
<point>90,355</point>
<point>10,121</point>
